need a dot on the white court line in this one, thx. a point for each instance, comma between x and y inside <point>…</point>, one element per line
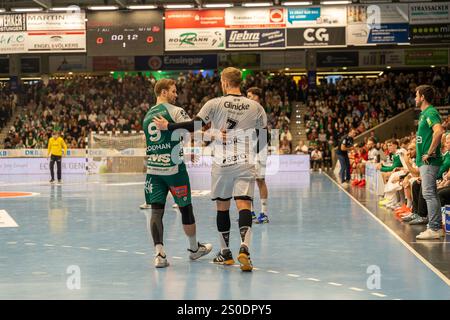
<point>272,271</point>
<point>6,221</point>
<point>102,249</point>
<point>256,269</point>
<point>335,284</point>
<point>179,258</point>
<point>12,242</point>
<point>49,245</point>
<point>378,294</point>
<point>313,279</point>
<point>430,242</point>
<point>356,289</point>
<point>122,251</point>
<point>124,184</point>
<point>30,244</point>
<point>85,248</point>
<point>414,252</point>
<point>293,275</point>
<point>67,246</point>
<point>137,252</point>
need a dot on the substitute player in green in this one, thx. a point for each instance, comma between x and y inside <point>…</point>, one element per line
<point>429,159</point>
<point>166,172</point>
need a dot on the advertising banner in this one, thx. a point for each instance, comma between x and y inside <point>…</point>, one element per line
<point>255,39</point>
<point>429,13</point>
<point>182,19</point>
<point>371,58</point>
<point>30,65</point>
<point>70,63</point>
<point>42,32</point>
<point>337,59</point>
<point>377,24</point>
<point>243,18</point>
<point>4,65</point>
<point>40,165</point>
<point>195,39</point>
<point>283,59</point>
<point>426,57</point>
<point>177,62</point>
<point>15,22</point>
<point>113,63</point>
<point>430,33</point>
<point>316,37</point>
<point>316,16</point>
<point>240,60</point>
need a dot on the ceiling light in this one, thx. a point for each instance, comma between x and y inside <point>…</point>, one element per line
<point>297,3</point>
<point>26,9</point>
<point>218,5</point>
<point>178,6</point>
<point>336,2</point>
<point>142,7</point>
<point>96,8</point>
<point>257,4</point>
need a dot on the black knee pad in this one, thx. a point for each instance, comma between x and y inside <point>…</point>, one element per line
<point>187,214</point>
<point>156,225</point>
<point>158,205</point>
<point>245,218</point>
<point>223,221</point>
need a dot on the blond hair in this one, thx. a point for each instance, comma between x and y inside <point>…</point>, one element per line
<point>233,76</point>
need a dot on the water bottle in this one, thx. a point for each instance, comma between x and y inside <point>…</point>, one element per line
<point>447,219</point>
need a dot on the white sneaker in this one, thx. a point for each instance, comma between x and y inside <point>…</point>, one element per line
<point>145,206</point>
<point>203,250</point>
<point>160,261</point>
<point>430,235</point>
<point>345,184</point>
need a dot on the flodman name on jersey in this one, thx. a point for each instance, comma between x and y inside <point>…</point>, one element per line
<point>162,146</point>
<point>236,106</point>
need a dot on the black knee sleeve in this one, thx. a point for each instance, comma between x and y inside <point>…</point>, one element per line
<point>156,225</point>
<point>223,221</point>
<point>187,214</point>
<point>245,218</point>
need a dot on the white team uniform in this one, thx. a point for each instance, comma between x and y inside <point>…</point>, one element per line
<point>233,170</point>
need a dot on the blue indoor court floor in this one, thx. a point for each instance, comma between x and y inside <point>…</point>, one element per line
<point>319,244</point>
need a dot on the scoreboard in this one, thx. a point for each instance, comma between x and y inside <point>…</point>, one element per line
<point>131,33</point>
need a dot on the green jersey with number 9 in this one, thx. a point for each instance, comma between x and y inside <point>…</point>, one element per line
<point>164,148</point>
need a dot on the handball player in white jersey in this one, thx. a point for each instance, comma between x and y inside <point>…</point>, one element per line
<point>241,123</point>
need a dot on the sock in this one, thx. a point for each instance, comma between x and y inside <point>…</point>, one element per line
<point>264,206</point>
<point>160,250</point>
<point>252,208</point>
<point>193,243</point>
<point>408,203</point>
<point>223,226</point>
<point>245,227</point>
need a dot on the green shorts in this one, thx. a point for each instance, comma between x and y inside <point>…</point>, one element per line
<point>157,187</point>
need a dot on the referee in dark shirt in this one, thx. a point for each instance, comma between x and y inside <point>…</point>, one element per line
<point>342,153</point>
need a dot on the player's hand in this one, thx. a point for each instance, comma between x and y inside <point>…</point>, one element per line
<point>425,158</point>
<point>161,123</point>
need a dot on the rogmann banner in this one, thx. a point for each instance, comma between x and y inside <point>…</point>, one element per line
<point>239,39</point>
<point>377,24</point>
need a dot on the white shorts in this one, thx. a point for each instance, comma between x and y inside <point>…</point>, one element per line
<point>239,185</point>
<point>260,170</point>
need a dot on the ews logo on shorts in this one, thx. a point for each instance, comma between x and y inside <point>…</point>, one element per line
<point>180,191</point>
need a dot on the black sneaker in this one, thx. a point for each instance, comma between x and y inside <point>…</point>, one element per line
<point>224,257</point>
<point>244,259</point>
<point>51,181</point>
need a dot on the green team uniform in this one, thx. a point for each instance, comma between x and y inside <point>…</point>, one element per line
<point>166,170</point>
<point>445,165</point>
<point>428,118</point>
<point>396,163</point>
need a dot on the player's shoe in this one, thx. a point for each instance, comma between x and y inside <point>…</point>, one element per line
<point>160,261</point>
<point>52,181</point>
<point>244,259</point>
<point>224,257</point>
<point>254,217</point>
<point>145,206</point>
<point>262,219</point>
<point>203,250</point>
<point>59,181</point>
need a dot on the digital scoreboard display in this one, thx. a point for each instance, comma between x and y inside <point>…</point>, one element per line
<point>131,33</point>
